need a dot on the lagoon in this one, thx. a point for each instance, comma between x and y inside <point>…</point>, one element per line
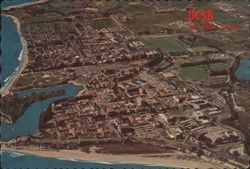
<point>243,71</point>
<point>28,123</point>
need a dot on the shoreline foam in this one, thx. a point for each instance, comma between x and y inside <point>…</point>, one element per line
<point>23,55</point>
<point>23,58</point>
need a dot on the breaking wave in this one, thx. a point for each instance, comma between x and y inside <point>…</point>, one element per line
<point>15,154</point>
<point>67,159</point>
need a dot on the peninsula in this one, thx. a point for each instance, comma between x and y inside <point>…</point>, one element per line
<point>147,88</point>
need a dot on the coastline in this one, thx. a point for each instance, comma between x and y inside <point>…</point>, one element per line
<point>23,56</point>
<point>24,4</point>
<point>23,59</point>
<point>143,159</point>
<point>82,156</point>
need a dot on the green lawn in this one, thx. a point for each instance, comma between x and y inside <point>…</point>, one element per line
<point>124,6</point>
<point>24,80</point>
<point>203,49</point>
<point>212,41</point>
<point>179,4</point>
<point>138,9</point>
<point>151,23</point>
<point>221,66</point>
<point>180,60</point>
<point>166,45</point>
<point>194,73</point>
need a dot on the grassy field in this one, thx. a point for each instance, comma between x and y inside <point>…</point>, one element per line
<point>205,42</point>
<point>138,9</point>
<point>201,72</point>
<point>124,6</point>
<point>212,41</point>
<point>180,60</point>
<point>221,66</point>
<point>203,49</point>
<point>166,45</point>
<point>194,73</point>
<point>24,80</point>
<point>142,23</point>
<point>179,4</point>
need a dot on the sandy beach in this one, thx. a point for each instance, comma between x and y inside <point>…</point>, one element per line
<point>75,83</point>
<point>24,59</point>
<point>126,158</point>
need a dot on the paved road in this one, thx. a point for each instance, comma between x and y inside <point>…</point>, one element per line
<point>226,115</point>
<point>161,35</point>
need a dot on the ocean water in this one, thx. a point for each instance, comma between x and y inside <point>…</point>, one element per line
<point>7,3</point>
<point>243,71</point>
<point>11,160</point>
<point>11,48</point>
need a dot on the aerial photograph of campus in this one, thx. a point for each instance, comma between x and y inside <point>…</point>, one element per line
<point>125,84</point>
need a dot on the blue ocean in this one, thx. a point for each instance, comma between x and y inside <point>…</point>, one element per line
<point>11,48</point>
<point>7,3</point>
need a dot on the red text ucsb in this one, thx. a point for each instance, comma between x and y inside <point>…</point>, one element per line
<point>200,15</point>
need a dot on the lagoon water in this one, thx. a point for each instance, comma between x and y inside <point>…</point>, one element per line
<point>28,123</point>
<point>243,71</point>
